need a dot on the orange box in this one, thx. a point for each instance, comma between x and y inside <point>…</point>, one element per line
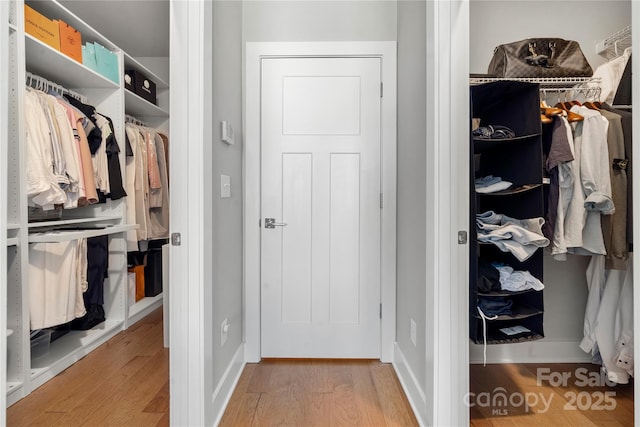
<point>41,27</point>
<point>70,41</point>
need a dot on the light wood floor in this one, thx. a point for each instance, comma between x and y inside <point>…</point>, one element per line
<point>580,400</point>
<point>125,382</point>
<point>280,392</point>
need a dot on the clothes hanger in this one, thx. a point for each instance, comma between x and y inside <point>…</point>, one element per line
<point>591,105</point>
<point>570,115</point>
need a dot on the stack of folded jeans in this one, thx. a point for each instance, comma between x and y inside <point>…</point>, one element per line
<point>495,306</point>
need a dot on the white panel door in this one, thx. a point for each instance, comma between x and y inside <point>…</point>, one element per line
<point>320,263</point>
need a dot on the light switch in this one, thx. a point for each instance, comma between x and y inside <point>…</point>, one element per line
<point>225,186</point>
<point>226,132</point>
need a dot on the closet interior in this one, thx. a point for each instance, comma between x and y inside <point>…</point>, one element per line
<point>72,246</point>
<point>551,213</point>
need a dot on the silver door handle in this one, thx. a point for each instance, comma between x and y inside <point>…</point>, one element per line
<point>271,223</point>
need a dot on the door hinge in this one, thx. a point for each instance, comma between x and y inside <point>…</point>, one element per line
<point>381,311</point>
<point>176,239</point>
<point>462,237</point>
<point>260,223</point>
<point>381,89</point>
<point>381,201</point>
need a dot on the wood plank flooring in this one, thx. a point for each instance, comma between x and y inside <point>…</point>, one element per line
<point>125,382</point>
<point>316,392</point>
<point>547,395</point>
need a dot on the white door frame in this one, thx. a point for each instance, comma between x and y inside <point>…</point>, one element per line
<point>191,324</point>
<point>251,167</point>
<point>4,114</point>
<point>447,163</point>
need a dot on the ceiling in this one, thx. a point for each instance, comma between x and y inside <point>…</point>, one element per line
<point>139,27</point>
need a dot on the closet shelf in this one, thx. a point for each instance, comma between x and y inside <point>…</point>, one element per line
<point>500,338</point>
<point>70,348</point>
<point>504,293</point>
<point>54,10</point>
<point>12,27</point>
<point>13,386</point>
<point>508,192</point>
<point>67,235</point>
<point>131,63</point>
<point>144,306</point>
<point>13,241</point>
<point>137,106</point>
<point>498,140</point>
<point>615,44</point>
<point>43,60</point>
<point>518,312</point>
<point>72,221</point>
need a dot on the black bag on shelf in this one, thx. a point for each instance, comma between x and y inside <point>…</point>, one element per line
<point>539,58</point>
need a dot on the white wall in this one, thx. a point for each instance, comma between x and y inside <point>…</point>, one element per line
<point>159,65</point>
<point>586,22</point>
<point>411,246</point>
<point>319,20</point>
<point>226,263</point>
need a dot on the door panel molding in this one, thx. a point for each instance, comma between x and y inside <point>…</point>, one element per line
<point>254,53</point>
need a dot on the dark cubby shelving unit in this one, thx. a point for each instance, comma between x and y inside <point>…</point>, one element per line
<point>519,160</point>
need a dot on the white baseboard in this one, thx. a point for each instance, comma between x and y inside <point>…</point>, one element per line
<point>543,351</point>
<point>227,384</point>
<point>410,385</point>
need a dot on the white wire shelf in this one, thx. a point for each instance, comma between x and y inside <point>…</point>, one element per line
<point>544,82</point>
<point>614,45</point>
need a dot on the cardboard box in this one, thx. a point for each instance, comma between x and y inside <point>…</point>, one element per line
<point>107,63</point>
<point>144,87</point>
<point>42,28</point>
<point>89,56</point>
<point>70,41</point>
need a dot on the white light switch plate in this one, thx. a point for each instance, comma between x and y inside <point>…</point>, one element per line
<point>225,186</point>
<point>226,132</point>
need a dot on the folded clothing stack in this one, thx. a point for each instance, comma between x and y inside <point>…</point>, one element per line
<point>491,184</point>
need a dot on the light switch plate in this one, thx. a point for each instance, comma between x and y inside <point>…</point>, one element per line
<point>226,131</point>
<point>225,186</point>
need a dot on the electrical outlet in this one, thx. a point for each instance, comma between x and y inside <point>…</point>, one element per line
<point>224,332</point>
<point>413,333</point>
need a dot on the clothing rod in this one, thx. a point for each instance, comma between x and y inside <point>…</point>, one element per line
<point>40,83</point>
<point>134,120</point>
<point>571,93</point>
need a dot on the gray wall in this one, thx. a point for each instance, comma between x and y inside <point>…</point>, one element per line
<point>496,22</point>
<point>319,21</point>
<point>227,159</point>
<point>583,21</point>
<point>411,293</point>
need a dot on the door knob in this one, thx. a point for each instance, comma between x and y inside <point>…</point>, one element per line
<point>271,223</point>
